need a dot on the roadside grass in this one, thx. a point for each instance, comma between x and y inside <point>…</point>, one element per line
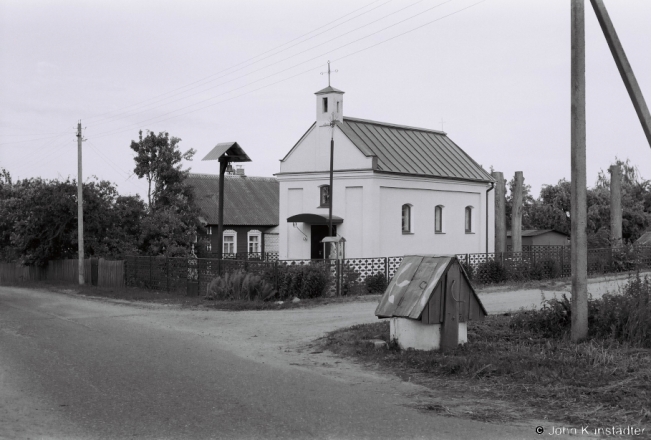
<point>136,294</point>
<point>506,375</point>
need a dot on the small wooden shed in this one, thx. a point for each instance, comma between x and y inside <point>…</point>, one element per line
<point>430,300</point>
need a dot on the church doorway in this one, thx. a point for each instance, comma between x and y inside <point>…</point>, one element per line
<point>319,232</point>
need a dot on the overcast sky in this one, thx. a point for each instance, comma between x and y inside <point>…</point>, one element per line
<point>496,72</point>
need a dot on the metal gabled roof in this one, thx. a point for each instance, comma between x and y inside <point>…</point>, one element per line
<point>247,200</point>
<point>414,283</point>
<point>329,89</point>
<point>230,150</point>
<point>410,150</point>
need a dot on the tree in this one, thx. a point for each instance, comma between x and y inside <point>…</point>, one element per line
<point>158,159</point>
<point>172,221</point>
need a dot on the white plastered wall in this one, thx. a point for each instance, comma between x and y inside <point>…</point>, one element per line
<point>312,154</point>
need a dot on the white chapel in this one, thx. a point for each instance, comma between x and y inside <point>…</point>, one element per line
<point>397,190</point>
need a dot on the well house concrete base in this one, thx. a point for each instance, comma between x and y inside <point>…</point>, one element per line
<point>409,333</point>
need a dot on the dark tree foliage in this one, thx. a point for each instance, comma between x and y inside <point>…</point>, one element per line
<point>158,159</point>
<point>39,217</point>
<point>172,219</point>
<point>552,208</point>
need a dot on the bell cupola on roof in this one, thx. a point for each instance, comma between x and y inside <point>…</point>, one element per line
<point>329,102</point>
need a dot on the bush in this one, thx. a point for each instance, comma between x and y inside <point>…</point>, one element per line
<point>350,283</point>
<point>491,271</point>
<point>624,258</point>
<point>240,285</point>
<point>470,271</point>
<point>308,281</point>
<point>553,320</point>
<point>544,269</point>
<point>376,283</point>
<point>625,317</point>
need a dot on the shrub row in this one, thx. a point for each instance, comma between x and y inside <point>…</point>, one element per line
<point>284,282</point>
<point>493,271</point>
<point>625,316</point>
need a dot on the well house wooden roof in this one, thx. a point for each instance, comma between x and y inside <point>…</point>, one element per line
<point>248,200</point>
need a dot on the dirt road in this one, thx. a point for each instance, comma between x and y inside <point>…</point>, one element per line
<point>73,367</point>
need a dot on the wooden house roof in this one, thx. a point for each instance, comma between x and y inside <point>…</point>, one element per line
<point>247,200</point>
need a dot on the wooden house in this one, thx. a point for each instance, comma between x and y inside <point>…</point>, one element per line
<point>250,214</point>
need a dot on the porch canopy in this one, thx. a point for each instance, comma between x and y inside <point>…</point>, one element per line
<point>314,219</point>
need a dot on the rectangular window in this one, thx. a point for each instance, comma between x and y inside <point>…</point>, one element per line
<point>325,105</point>
<point>209,230</point>
<point>254,244</point>
<point>209,247</point>
<point>337,106</point>
<point>229,244</point>
<point>324,196</point>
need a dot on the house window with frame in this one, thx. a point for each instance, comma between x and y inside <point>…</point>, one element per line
<point>325,105</point>
<point>254,242</point>
<point>209,247</point>
<point>209,230</point>
<point>230,242</point>
<point>406,218</point>
<point>324,196</point>
<point>468,221</point>
<point>438,219</point>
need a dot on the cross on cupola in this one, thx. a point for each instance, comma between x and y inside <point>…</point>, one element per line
<point>328,72</point>
<point>329,102</point>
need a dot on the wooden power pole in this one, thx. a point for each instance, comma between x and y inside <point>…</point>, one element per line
<point>624,67</point>
<point>578,215</point>
<point>516,213</point>
<point>80,208</point>
<point>615,206</point>
<point>500,212</point>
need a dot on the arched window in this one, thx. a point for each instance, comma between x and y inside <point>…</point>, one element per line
<point>468,219</point>
<point>406,218</point>
<point>438,219</point>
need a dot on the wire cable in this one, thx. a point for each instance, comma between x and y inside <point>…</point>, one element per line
<point>280,61</point>
<point>252,58</point>
<point>296,65</point>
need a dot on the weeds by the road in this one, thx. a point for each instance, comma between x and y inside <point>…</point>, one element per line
<point>595,382</point>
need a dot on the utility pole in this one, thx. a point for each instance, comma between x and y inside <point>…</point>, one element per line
<point>624,67</point>
<point>516,213</point>
<point>615,206</point>
<point>578,216</point>
<point>80,208</point>
<point>500,212</point>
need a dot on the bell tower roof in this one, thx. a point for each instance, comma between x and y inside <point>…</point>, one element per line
<point>329,89</point>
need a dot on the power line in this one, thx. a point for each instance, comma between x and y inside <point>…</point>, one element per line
<point>299,64</point>
<point>276,62</point>
<point>254,57</point>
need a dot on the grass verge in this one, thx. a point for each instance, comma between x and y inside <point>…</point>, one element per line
<point>136,294</point>
<point>504,375</point>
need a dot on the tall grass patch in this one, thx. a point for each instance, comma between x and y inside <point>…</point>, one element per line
<point>624,316</point>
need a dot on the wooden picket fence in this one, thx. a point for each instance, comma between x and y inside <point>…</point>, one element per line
<point>102,273</point>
